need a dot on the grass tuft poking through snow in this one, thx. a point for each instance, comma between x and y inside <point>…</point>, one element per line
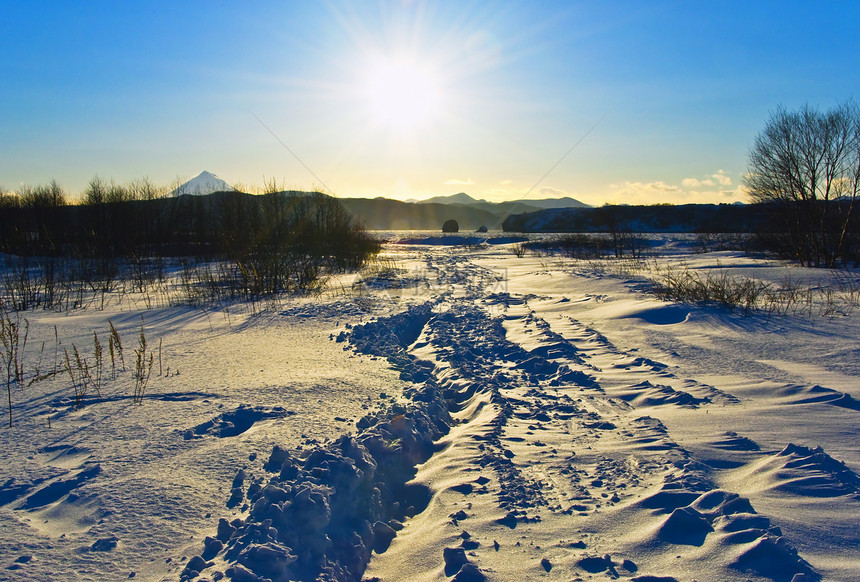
<point>142,367</point>
<point>716,286</point>
<point>13,348</point>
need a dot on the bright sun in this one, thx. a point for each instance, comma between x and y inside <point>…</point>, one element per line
<point>402,95</point>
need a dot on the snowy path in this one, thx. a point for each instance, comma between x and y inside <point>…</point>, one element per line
<point>566,474</point>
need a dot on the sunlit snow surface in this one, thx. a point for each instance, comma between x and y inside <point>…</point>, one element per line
<point>594,430</point>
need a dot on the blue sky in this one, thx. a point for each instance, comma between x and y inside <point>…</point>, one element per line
<point>666,97</point>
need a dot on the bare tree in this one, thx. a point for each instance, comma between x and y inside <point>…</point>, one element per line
<point>179,186</point>
<point>50,196</point>
<point>117,193</point>
<point>9,199</point>
<point>145,189</point>
<point>806,164</point>
<point>96,191</point>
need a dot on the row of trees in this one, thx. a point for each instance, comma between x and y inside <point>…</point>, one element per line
<point>101,191</point>
<point>272,243</point>
<point>98,191</point>
<point>805,166</point>
<point>44,196</point>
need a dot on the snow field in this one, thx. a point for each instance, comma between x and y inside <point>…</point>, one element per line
<point>475,416</point>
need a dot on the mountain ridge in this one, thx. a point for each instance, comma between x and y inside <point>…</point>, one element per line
<point>465,199</point>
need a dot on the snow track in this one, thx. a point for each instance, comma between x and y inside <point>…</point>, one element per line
<point>521,451</point>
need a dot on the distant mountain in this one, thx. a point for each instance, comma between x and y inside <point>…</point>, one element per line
<point>566,202</point>
<point>461,198</point>
<point>203,183</point>
<point>655,218</point>
<point>387,214</point>
<point>465,199</point>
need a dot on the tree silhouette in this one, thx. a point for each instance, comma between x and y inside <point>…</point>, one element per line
<point>805,164</point>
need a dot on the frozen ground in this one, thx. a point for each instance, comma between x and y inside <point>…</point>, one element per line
<point>460,413</point>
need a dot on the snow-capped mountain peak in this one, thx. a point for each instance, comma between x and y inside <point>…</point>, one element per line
<point>204,183</point>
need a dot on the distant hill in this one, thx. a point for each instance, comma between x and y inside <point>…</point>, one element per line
<point>465,199</point>
<point>566,202</point>
<point>202,184</point>
<point>387,214</point>
<point>461,198</point>
<point>656,218</point>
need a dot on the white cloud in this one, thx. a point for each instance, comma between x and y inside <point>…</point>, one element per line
<point>645,193</point>
<point>695,183</point>
<point>721,178</point>
<point>648,188</point>
<point>458,182</point>
<point>718,179</point>
<point>717,187</point>
<point>506,182</point>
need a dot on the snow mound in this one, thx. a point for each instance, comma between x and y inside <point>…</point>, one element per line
<point>323,516</point>
<point>821,395</point>
<point>732,441</point>
<point>647,394</point>
<point>775,558</point>
<point>701,515</point>
<point>813,473</point>
<point>664,315</point>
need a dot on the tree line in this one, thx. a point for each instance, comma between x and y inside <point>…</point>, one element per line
<point>274,242</point>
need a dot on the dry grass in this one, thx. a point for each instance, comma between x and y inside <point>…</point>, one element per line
<point>14,344</point>
<point>718,287</point>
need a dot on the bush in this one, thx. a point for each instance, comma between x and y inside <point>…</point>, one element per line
<point>592,246</point>
<point>718,287</point>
